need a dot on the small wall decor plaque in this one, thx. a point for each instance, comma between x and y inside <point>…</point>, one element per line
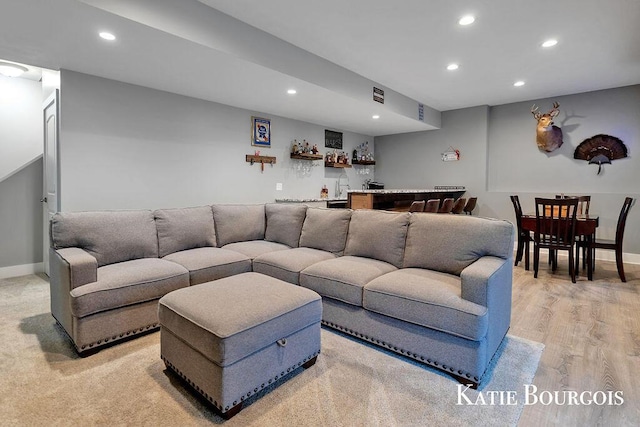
<point>260,132</point>
<point>451,155</point>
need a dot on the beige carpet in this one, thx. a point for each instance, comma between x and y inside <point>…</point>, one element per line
<point>43,382</point>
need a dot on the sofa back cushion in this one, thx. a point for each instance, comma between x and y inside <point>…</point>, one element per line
<point>184,228</point>
<point>326,229</point>
<point>378,234</point>
<point>238,223</point>
<point>284,223</point>
<point>110,236</point>
<point>449,243</point>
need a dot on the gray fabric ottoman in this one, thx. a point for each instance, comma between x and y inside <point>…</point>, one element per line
<point>234,336</point>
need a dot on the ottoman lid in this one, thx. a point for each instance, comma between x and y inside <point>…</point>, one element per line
<point>231,318</point>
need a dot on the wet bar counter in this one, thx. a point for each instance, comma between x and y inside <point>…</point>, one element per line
<point>397,199</point>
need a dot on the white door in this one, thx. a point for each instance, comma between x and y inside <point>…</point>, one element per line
<point>51,201</point>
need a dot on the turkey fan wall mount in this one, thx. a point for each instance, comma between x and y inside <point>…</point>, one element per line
<point>600,149</point>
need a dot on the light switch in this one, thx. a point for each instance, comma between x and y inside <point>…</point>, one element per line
<point>278,186</point>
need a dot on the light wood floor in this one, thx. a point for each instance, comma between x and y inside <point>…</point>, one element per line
<point>591,332</point>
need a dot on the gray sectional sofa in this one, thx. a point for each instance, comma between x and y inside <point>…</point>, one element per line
<point>433,287</point>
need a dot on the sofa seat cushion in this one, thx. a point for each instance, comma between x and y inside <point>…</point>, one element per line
<point>427,298</point>
<point>287,265</point>
<point>255,248</point>
<point>343,278</point>
<point>207,264</point>
<point>127,283</point>
<point>251,311</point>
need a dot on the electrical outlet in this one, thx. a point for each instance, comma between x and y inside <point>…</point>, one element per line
<point>278,186</point>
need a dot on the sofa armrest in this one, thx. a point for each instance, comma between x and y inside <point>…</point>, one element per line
<point>82,267</point>
<point>487,281</point>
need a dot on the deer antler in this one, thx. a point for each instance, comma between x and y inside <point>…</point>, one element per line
<point>534,111</point>
<point>554,112</point>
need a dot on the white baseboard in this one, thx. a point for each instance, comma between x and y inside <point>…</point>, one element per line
<point>21,270</point>
<point>603,255</point>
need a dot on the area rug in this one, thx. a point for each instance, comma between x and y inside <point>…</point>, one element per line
<point>44,382</point>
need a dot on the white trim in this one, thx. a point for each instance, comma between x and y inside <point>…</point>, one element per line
<point>21,270</point>
<point>601,255</point>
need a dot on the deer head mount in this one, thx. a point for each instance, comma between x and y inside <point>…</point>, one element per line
<point>548,136</point>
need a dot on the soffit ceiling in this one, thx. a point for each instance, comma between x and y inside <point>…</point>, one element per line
<point>332,51</point>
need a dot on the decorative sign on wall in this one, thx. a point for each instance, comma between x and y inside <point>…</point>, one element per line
<point>378,95</point>
<point>451,155</point>
<point>260,132</point>
<point>333,139</point>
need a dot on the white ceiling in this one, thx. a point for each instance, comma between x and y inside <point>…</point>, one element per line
<point>189,48</point>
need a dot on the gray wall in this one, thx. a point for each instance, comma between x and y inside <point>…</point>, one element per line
<point>21,217</point>
<point>128,147</point>
<point>499,157</point>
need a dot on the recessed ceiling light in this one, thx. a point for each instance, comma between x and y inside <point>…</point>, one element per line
<point>550,42</point>
<point>466,20</point>
<point>375,117</point>
<point>107,36</point>
<point>452,67</point>
<point>12,70</point>
<point>519,83</point>
<point>292,91</point>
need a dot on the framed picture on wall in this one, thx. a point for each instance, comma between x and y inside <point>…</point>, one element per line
<point>333,139</point>
<point>260,132</point>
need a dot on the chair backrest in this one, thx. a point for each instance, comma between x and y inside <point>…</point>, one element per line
<point>432,206</point>
<point>447,205</point>
<point>622,219</point>
<point>417,206</point>
<point>471,205</point>
<point>459,205</point>
<point>583,202</point>
<point>556,220</point>
<point>518,210</point>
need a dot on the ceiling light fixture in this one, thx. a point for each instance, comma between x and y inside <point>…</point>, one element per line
<point>375,117</point>
<point>550,42</point>
<point>466,20</point>
<point>519,83</point>
<point>452,67</point>
<point>292,91</point>
<point>107,36</point>
<point>12,70</point>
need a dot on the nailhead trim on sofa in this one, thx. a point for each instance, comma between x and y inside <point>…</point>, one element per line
<point>118,337</point>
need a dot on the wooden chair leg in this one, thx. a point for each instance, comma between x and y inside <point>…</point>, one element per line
<point>620,265</point>
<point>526,256</point>
<point>536,258</point>
<point>572,269</point>
<point>519,251</point>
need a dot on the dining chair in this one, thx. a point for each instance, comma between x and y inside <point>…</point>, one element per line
<point>417,206</point>
<point>447,205</point>
<point>471,205</point>
<point>524,237</point>
<point>459,205</point>
<point>614,245</point>
<point>432,205</point>
<point>555,230</point>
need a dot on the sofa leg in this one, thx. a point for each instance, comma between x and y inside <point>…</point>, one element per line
<point>466,381</point>
<point>309,363</point>
<point>232,412</point>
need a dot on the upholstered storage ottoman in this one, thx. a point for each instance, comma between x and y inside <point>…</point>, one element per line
<point>232,337</point>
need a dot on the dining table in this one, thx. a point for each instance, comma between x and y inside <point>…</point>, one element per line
<point>586,225</point>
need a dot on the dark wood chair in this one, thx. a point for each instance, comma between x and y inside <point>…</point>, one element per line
<point>417,206</point>
<point>614,245</point>
<point>459,205</point>
<point>584,202</point>
<point>447,205</point>
<point>555,230</point>
<point>471,205</point>
<point>524,237</point>
<point>432,206</point>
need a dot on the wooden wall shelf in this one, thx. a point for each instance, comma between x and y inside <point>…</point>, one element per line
<point>307,156</point>
<point>336,165</point>
<point>260,159</point>
<point>364,162</point>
